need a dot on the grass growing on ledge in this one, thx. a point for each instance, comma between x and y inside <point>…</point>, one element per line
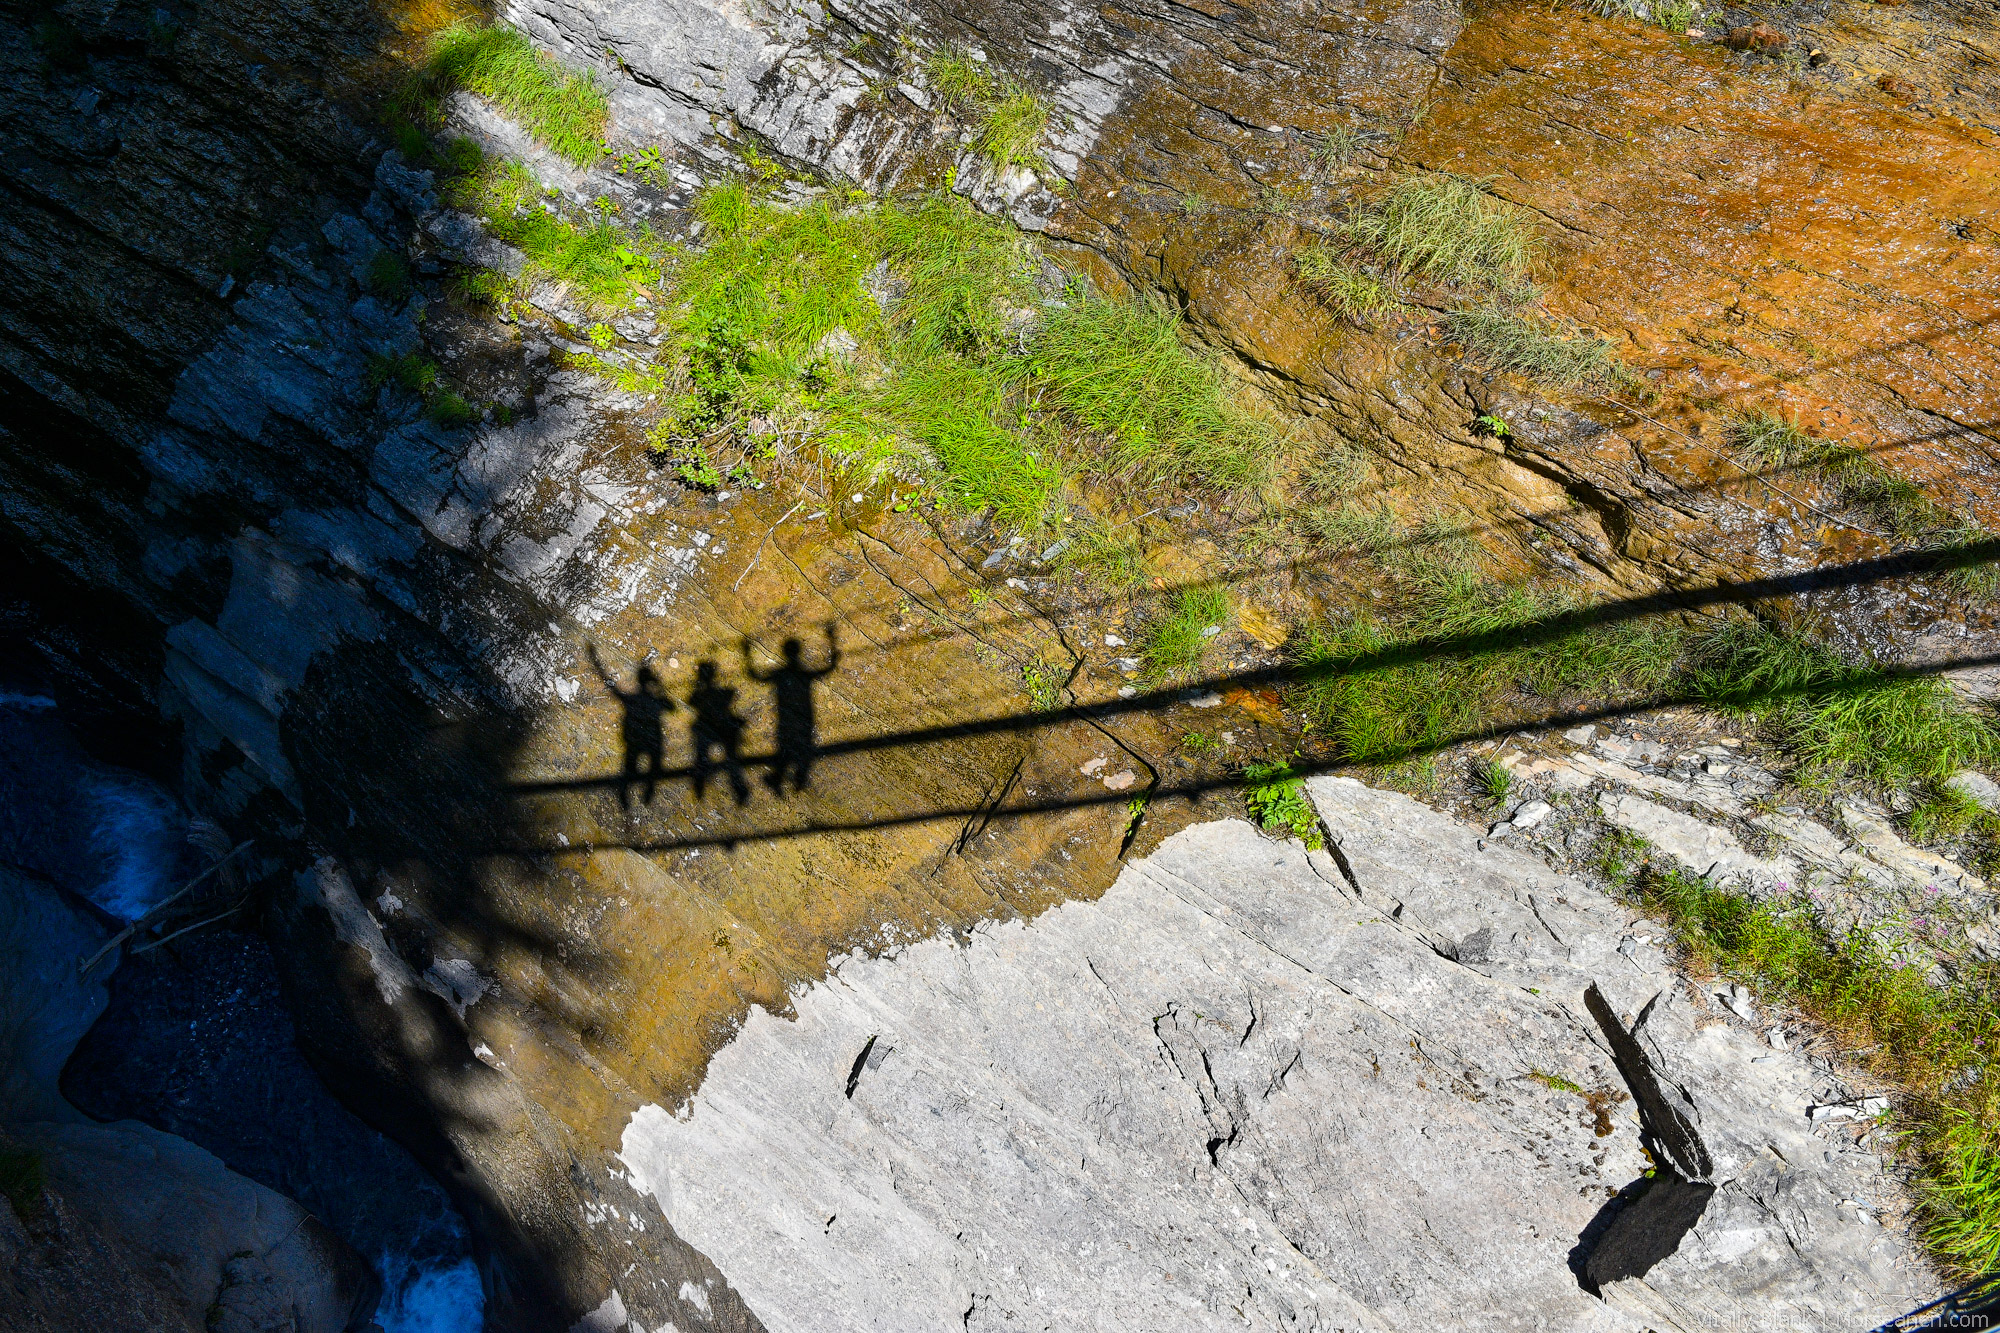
<point>1448,229</point>
<point>1937,1043</point>
<point>1011,134</point>
<point>1841,719</point>
<point>1120,367</point>
<point>564,110</point>
<point>600,261</point>
<point>1770,440</point>
<point>1349,292</point>
<point>1507,341</point>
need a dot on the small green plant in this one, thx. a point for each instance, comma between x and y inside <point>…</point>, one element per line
<point>1351,293</point>
<point>699,473</point>
<point>388,277</point>
<point>1337,147</point>
<point>1194,205</point>
<point>601,336</point>
<point>1555,1082</point>
<point>1011,134</point>
<point>1447,229</point>
<point>647,164</point>
<point>1620,856</point>
<point>1176,640</point>
<point>1276,796</point>
<point>1494,426</point>
<point>412,371</point>
<point>1044,684</point>
<point>1507,341</point>
<point>1199,742</point>
<point>448,409</point>
<point>1493,779</point>
<point>1674,15</point>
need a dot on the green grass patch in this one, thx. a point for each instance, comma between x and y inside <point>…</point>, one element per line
<point>388,277</point>
<point>1770,440</point>
<point>1508,341</point>
<point>1447,229</point>
<point>1936,1042</point>
<point>1276,797</point>
<point>603,263</point>
<point>1840,718</point>
<point>1183,630</point>
<point>1494,780</point>
<point>1121,368</point>
<point>1347,290</point>
<point>957,81</point>
<point>564,110</point>
<point>1945,812</point>
<point>1011,133</point>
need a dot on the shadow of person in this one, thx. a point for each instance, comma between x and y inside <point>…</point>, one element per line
<point>717,733</point>
<point>642,729</point>
<point>792,693</point>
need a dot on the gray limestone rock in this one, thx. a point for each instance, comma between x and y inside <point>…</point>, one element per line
<point>1255,1086</point>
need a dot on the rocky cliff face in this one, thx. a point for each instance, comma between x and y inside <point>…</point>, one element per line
<point>408,655</point>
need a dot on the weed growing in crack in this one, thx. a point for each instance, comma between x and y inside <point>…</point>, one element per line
<point>1276,797</point>
<point>957,81</point>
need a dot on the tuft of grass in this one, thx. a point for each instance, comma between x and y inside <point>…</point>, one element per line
<point>1447,229</point>
<point>1011,133</point>
<point>1176,640</point>
<point>1276,797</point>
<point>1945,812</point>
<point>564,110</point>
<point>1556,1082</point>
<point>1771,440</point>
<point>388,277</point>
<point>1337,147</point>
<point>1120,367</point>
<point>1200,742</point>
<point>1351,293</point>
<point>412,371</point>
<point>1840,718</point>
<point>1936,1042</point>
<point>1493,779</point>
<point>959,82</point>
<point>1507,341</point>
<point>603,264</point>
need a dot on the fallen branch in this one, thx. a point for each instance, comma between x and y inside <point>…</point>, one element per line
<point>154,913</point>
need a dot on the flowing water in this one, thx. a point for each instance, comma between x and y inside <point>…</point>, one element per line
<point>196,1039</point>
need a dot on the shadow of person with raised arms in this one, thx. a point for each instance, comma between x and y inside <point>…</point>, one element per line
<point>717,733</point>
<point>642,728</point>
<point>792,691</point>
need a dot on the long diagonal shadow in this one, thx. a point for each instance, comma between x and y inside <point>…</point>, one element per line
<point>1545,630</point>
